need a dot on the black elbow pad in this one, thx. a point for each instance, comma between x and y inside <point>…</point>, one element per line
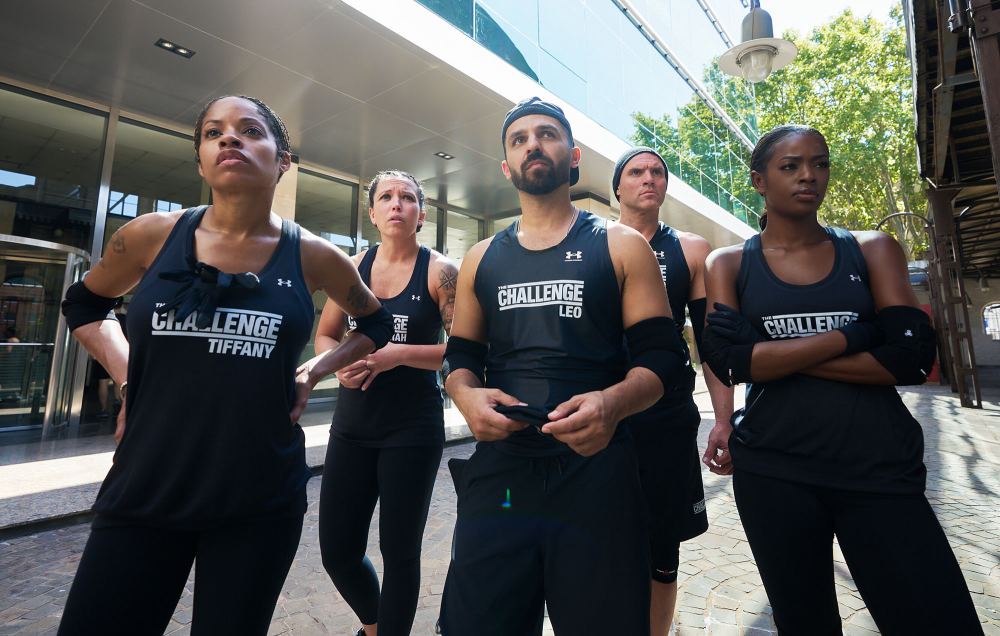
<point>656,344</point>
<point>910,346</point>
<point>82,306</point>
<point>377,326</point>
<point>462,353</point>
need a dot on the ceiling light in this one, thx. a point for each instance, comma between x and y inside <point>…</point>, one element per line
<point>173,47</point>
<point>761,52</point>
<point>444,155</point>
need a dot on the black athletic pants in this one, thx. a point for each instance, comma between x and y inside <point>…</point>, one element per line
<point>130,577</point>
<point>894,547</point>
<point>354,478</point>
<point>567,531</point>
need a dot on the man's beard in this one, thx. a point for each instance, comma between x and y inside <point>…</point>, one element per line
<point>545,182</point>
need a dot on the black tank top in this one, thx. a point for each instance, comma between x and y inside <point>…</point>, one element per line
<point>677,278</point>
<point>208,436</point>
<point>403,406</point>
<point>553,321</point>
<point>674,269</point>
<point>810,430</point>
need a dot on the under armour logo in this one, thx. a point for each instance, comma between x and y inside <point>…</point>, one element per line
<point>574,256</point>
<point>414,297</point>
<point>856,279</point>
<point>660,254</point>
<point>283,282</point>
<point>908,333</point>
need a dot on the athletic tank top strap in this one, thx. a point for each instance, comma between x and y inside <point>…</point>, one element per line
<point>674,270</point>
<point>851,250</point>
<point>751,249</point>
<point>365,266</point>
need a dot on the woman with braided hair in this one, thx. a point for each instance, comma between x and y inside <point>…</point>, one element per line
<point>822,324</point>
<point>210,468</point>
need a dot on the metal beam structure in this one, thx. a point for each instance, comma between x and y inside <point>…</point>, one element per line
<point>955,52</point>
<point>958,356</point>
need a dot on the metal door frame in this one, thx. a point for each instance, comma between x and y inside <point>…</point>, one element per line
<point>67,372</point>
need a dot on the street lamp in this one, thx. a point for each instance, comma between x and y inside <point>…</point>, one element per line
<point>761,52</point>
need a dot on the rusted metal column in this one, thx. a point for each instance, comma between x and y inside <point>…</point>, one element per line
<point>955,329</point>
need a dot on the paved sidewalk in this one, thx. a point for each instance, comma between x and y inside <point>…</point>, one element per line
<point>720,591</point>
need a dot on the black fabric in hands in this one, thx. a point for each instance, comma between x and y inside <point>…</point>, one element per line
<point>202,288</point>
<point>730,324</point>
<point>534,415</point>
<point>861,336</point>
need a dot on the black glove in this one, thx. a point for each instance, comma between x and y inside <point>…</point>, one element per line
<point>729,362</point>
<point>730,324</point>
<point>861,336</point>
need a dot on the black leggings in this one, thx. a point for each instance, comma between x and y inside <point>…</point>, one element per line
<point>131,577</point>
<point>354,478</point>
<point>895,549</point>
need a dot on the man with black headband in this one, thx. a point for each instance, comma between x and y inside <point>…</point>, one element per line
<point>550,509</point>
<point>666,435</point>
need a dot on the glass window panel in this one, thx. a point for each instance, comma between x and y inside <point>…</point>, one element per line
<point>324,206</point>
<point>560,25</point>
<point>50,163</point>
<point>520,14</point>
<point>153,171</point>
<point>463,233</point>
<point>510,44</point>
<point>458,12</point>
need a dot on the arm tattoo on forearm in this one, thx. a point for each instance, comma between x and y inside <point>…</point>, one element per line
<point>357,299</point>
<point>449,284</point>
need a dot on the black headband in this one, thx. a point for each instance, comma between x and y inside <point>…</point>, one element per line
<point>537,106</point>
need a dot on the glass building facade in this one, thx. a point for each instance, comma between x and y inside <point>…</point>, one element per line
<point>592,54</point>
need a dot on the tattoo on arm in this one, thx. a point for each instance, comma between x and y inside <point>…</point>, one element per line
<point>357,299</point>
<point>448,278</point>
<point>118,243</point>
<point>448,288</point>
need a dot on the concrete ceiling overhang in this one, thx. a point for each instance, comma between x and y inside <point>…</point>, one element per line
<point>362,86</point>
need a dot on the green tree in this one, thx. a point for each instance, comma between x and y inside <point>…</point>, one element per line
<point>851,81</point>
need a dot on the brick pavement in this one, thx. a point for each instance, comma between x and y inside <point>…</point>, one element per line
<point>720,591</point>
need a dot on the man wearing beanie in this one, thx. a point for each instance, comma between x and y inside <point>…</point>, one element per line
<point>550,510</point>
<point>666,435</point>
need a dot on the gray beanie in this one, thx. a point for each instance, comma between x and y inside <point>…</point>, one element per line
<point>627,156</point>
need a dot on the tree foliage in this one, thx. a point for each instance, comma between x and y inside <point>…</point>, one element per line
<point>851,81</point>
